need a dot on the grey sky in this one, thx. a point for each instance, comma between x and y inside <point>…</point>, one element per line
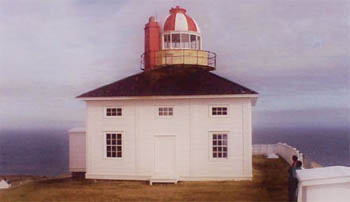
<point>296,54</point>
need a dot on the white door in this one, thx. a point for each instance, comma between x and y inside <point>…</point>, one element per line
<point>165,156</point>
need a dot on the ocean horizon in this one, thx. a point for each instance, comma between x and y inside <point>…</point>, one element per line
<point>45,152</point>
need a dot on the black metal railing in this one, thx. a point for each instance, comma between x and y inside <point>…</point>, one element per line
<point>181,56</point>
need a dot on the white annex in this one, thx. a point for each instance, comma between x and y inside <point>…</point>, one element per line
<point>175,121</point>
<point>324,184</point>
<point>4,184</point>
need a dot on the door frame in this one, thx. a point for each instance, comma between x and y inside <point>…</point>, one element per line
<point>155,154</point>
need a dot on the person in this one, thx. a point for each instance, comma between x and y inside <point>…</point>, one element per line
<point>295,180</point>
<point>291,179</point>
<point>295,159</point>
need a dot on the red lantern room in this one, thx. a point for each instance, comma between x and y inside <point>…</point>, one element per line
<point>178,43</point>
<point>180,31</point>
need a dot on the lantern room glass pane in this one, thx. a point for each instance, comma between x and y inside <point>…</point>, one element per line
<point>166,40</point>
<point>193,41</point>
<point>198,43</point>
<point>175,40</point>
<point>185,41</point>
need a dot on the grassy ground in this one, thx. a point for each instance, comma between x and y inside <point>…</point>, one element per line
<point>269,184</point>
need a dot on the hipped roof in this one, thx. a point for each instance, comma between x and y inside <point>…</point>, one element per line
<point>170,81</point>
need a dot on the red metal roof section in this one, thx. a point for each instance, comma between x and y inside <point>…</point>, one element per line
<point>177,9</point>
<point>169,24</point>
<point>191,25</point>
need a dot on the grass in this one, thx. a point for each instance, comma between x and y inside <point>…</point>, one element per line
<point>269,184</point>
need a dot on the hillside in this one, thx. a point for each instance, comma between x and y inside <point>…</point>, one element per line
<point>269,184</point>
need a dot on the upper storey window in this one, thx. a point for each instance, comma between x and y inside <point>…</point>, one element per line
<point>165,111</point>
<point>219,111</point>
<point>181,41</point>
<point>113,111</point>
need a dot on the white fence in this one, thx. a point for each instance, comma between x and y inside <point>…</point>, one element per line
<point>282,149</point>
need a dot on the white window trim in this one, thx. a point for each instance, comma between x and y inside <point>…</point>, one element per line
<point>181,32</point>
<point>112,117</point>
<point>104,137</point>
<point>164,117</point>
<point>219,105</point>
<point>210,144</point>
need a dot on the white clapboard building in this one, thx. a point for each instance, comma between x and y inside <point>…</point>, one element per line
<point>4,184</point>
<point>175,120</point>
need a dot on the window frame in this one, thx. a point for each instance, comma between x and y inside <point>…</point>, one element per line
<point>193,44</point>
<point>219,106</point>
<point>183,43</point>
<point>112,107</point>
<point>211,145</point>
<point>165,116</point>
<point>197,45</point>
<point>174,40</point>
<point>121,145</point>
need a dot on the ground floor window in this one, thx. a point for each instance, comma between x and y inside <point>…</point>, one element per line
<point>113,145</point>
<point>219,145</point>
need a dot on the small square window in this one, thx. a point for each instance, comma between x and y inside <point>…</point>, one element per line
<point>113,111</point>
<point>165,111</point>
<point>219,111</point>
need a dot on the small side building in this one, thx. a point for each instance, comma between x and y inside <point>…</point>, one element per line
<point>324,184</point>
<point>77,151</point>
<point>4,184</point>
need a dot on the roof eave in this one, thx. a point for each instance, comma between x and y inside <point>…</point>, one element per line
<point>253,96</point>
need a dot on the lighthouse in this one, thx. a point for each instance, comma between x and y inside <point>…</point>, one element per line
<point>177,42</point>
<point>173,121</point>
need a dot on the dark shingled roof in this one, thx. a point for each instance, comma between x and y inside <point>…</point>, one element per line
<point>170,81</point>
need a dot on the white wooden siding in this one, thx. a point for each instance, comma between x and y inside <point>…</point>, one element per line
<point>190,123</point>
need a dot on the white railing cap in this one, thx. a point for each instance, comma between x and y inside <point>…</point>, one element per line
<point>77,130</point>
<point>330,172</point>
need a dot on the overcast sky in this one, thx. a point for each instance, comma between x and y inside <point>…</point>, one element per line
<point>296,54</point>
